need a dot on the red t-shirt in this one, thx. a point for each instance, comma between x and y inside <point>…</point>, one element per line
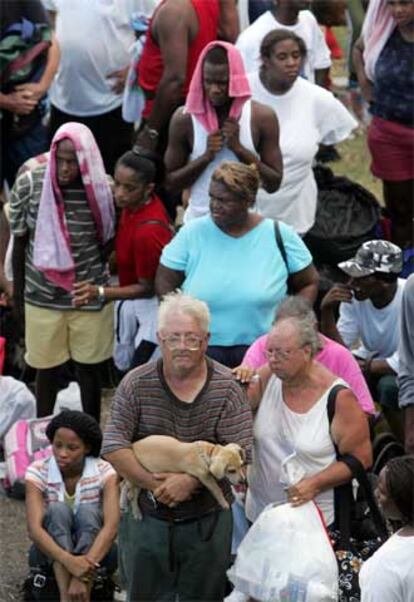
<point>151,66</point>
<point>138,247</point>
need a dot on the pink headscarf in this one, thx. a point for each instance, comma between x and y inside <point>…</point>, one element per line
<point>52,253</point>
<point>378,26</point>
<point>199,106</point>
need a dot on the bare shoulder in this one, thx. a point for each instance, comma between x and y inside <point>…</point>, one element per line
<point>346,407</point>
<point>181,11</point>
<point>181,119</point>
<point>261,111</point>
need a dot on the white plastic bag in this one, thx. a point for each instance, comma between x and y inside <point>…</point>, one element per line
<point>16,403</point>
<point>286,555</point>
<point>68,399</point>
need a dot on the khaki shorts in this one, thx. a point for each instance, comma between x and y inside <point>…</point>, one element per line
<point>53,335</point>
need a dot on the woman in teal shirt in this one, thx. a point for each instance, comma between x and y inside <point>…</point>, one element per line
<point>231,260</point>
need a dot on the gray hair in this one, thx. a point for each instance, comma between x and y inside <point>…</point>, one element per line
<point>295,307</point>
<point>178,302</point>
<point>306,329</point>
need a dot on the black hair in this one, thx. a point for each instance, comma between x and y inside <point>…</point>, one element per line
<point>217,56</point>
<point>84,425</point>
<point>280,35</point>
<point>144,162</point>
<point>399,482</point>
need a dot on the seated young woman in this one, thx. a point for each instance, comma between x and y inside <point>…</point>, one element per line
<point>72,505</point>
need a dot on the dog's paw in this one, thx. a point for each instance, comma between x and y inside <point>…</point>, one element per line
<point>225,505</point>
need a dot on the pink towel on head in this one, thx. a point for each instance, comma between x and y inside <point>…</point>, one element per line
<point>239,88</point>
<point>378,26</point>
<point>52,253</point>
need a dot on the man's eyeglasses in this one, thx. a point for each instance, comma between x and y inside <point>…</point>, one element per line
<point>192,342</point>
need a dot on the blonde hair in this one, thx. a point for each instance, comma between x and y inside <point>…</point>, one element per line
<point>178,302</point>
<point>243,180</point>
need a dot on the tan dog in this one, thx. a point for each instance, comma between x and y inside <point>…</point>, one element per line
<point>205,461</point>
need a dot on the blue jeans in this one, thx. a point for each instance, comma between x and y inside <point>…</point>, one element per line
<point>74,532</point>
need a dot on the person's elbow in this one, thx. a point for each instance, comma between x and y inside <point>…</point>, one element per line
<point>173,82</point>
<point>273,181</point>
<point>365,455</point>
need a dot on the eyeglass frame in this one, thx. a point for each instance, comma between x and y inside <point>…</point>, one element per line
<point>181,338</point>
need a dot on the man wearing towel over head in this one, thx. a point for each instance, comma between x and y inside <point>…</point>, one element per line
<point>62,217</point>
<point>220,122</point>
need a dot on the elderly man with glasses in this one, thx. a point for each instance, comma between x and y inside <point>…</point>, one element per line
<point>181,547</point>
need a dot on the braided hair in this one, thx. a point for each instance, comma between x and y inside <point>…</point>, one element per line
<point>84,425</point>
<point>399,481</point>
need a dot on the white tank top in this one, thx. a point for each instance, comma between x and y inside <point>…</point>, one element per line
<point>199,196</point>
<point>278,432</point>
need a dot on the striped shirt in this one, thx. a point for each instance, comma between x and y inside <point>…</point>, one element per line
<point>86,251</point>
<point>46,476</point>
<point>145,405</point>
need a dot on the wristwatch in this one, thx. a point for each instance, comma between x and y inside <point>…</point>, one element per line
<point>152,133</point>
<point>101,294</point>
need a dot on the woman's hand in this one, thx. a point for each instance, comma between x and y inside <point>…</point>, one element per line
<point>304,491</point>
<point>80,566</point>
<point>245,374</point>
<point>83,293</point>
<point>78,590</point>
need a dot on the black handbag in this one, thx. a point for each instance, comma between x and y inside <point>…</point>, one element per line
<point>359,528</point>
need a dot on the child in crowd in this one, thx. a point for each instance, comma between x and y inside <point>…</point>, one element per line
<point>72,504</point>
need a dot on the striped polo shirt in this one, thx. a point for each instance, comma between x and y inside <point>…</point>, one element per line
<point>46,476</point>
<point>85,247</point>
<point>145,405</point>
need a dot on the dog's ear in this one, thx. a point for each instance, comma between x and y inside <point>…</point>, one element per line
<point>218,467</point>
<point>238,450</point>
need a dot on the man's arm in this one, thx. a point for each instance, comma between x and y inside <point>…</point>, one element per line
<point>229,28</point>
<point>172,31</point>
<point>338,294</point>
<point>18,264</point>
<point>270,164</point>
<point>409,429</point>
<point>181,172</point>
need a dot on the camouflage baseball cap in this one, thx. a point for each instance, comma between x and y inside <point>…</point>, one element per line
<point>374,256</point>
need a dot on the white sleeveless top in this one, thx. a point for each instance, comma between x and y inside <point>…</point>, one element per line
<point>199,196</point>
<point>278,432</point>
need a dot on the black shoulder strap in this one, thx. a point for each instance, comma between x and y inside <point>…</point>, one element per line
<point>331,405</point>
<point>343,493</point>
<point>280,243</point>
<point>159,222</point>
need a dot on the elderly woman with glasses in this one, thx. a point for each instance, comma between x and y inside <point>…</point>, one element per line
<point>231,259</point>
<point>290,396</point>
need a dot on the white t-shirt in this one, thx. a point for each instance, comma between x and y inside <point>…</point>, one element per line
<point>95,37</point>
<point>378,329</point>
<point>308,116</point>
<point>318,56</point>
<point>388,576</point>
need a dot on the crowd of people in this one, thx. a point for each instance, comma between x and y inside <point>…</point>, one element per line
<point>208,314</point>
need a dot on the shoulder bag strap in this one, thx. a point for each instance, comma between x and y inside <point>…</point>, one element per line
<point>343,495</point>
<point>280,243</point>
